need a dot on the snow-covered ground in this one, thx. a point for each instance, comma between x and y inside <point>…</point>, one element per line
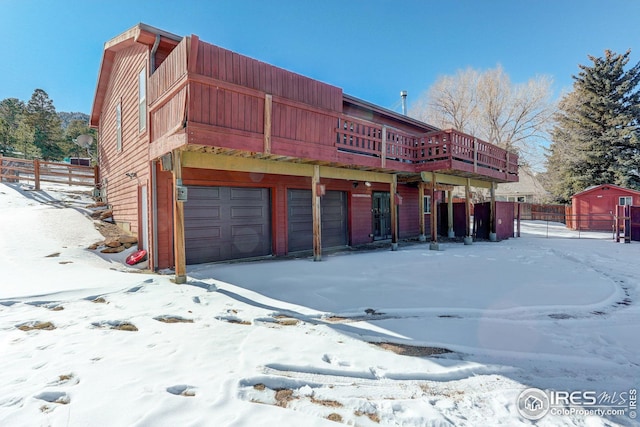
<point>292,342</point>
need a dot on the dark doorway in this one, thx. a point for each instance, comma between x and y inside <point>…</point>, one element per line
<point>381,215</point>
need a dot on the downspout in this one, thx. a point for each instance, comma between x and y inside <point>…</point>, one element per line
<point>154,49</point>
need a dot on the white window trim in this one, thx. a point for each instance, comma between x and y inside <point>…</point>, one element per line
<point>426,203</point>
<point>142,100</point>
<point>625,200</point>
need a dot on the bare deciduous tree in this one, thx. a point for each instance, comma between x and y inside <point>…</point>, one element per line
<point>488,105</point>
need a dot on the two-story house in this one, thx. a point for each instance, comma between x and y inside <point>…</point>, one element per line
<point>209,155</point>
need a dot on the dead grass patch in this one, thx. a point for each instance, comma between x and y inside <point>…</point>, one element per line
<point>173,319</point>
<point>53,255</point>
<point>39,326</point>
<point>99,300</point>
<point>287,321</point>
<point>238,321</point>
<point>412,350</point>
<point>372,416</point>
<point>125,326</point>
<point>57,308</point>
<point>327,402</point>
<point>259,387</point>
<point>283,397</point>
<point>334,417</point>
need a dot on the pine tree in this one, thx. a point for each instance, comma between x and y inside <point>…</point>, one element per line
<point>47,132</point>
<point>597,136</point>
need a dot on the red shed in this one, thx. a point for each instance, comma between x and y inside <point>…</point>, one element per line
<point>593,208</point>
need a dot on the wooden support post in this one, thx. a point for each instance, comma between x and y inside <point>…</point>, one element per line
<point>450,232</point>
<point>383,148</point>
<point>475,154</point>
<point>394,213</point>
<point>423,236</point>
<point>518,221</point>
<point>268,104</point>
<point>467,213</point>
<point>492,213</point>
<point>434,214</point>
<point>179,250</point>
<point>36,173</point>
<point>96,176</point>
<point>317,210</point>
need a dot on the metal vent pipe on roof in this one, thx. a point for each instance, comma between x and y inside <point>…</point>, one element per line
<point>403,95</point>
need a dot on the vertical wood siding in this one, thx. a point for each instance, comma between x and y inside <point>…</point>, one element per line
<point>122,192</point>
<point>228,66</point>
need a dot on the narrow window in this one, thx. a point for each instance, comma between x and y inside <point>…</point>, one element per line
<point>142,100</point>
<point>427,204</point>
<point>119,126</point>
<point>623,201</point>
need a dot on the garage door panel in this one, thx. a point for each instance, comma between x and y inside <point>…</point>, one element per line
<point>300,219</point>
<point>224,223</point>
<point>246,212</point>
<point>246,194</point>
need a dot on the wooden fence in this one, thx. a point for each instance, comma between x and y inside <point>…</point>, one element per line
<point>37,171</point>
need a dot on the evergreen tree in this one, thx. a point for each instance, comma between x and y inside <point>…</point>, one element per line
<point>596,139</point>
<point>11,115</point>
<point>47,132</point>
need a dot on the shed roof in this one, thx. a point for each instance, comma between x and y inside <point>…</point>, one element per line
<point>599,187</point>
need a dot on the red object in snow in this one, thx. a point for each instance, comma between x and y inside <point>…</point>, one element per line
<point>136,257</point>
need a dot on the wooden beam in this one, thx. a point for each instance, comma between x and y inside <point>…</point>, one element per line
<point>422,213</point>
<point>394,213</point>
<point>192,59</point>
<point>450,231</point>
<point>355,175</point>
<point>242,164</point>
<point>317,210</point>
<point>492,213</point>
<point>467,211</point>
<point>475,154</point>
<point>192,159</point>
<point>454,180</point>
<point>178,223</point>
<point>268,104</point>
<point>383,148</point>
<point>434,211</point>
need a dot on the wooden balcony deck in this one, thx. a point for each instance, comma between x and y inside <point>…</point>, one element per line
<point>292,118</point>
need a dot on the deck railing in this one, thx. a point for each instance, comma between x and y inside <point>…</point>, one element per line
<point>390,144</point>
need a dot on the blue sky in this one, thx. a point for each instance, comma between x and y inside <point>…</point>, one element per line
<point>371,49</point>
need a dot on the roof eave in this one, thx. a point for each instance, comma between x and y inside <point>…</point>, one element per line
<point>139,33</point>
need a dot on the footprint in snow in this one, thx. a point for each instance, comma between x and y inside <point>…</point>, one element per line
<point>334,360</point>
<point>54,397</point>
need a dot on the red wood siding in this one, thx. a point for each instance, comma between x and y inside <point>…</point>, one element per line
<point>231,67</point>
<point>122,191</point>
